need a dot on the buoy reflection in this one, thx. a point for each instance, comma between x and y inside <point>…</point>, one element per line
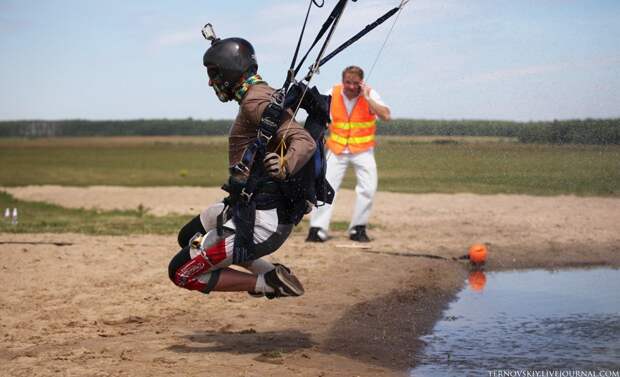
<point>477,280</point>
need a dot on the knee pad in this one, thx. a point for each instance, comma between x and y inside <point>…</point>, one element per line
<point>178,261</point>
<point>189,230</point>
<point>189,273</point>
<point>211,246</point>
<point>193,269</point>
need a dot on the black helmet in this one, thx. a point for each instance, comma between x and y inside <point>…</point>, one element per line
<point>227,60</point>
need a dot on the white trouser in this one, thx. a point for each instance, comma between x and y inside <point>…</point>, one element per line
<point>265,225</point>
<point>366,173</point>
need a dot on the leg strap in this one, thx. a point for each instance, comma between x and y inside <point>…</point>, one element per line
<point>212,282</point>
<point>205,282</point>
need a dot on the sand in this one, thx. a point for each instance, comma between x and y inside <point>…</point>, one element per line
<point>76,305</point>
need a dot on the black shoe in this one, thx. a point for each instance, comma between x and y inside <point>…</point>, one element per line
<point>269,295</point>
<point>358,233</point>
<point>316,235</point>
<point>283,282</point>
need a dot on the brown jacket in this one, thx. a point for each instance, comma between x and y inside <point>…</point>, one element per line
<point>299,144</point>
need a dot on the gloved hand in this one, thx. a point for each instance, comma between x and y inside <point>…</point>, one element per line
<point>234,187</point>
<point>313,102</point>
<point>274,167</point>
<point>294,95</point>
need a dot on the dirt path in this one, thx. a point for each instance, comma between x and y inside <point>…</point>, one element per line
<point>103,306</point>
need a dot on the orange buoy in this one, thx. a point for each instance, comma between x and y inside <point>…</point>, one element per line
<point>477,280</point>
<point>477,254</point>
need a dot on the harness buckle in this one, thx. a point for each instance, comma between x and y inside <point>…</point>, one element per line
<point>196,241</point>
<point>198,244</point>
<point>277,97</point>
<point>245,195</point>
<point>264,138</point>
<point>241,168</point>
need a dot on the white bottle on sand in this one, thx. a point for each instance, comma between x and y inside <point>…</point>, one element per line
<point>14,217</point>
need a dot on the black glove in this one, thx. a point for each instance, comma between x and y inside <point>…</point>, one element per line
<point>274,167</point>
<point>313,101</point>
<point>294,95</point>
<point>234,187</point>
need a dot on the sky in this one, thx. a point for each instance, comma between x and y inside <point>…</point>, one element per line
<point>517,60</point>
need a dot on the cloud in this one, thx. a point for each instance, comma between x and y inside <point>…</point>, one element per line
<point>512,73</point>
<point>284,12</point>
<point>436,11</point>
<point>10,24</point>
<point>286,19</point>
<point>537,70</point>
<point>178,38</point>
<point>605,61</point>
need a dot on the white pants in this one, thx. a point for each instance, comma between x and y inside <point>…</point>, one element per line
<point>268,234</point>
<point>366,173</point>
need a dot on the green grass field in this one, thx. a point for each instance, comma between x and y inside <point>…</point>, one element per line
<point>35,217</point>
<point>406,164</point>
<point>498,167</point>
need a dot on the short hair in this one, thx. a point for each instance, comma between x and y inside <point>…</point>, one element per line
<point>355,70</point>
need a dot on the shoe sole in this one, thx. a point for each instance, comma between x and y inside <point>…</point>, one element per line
<point>289,280</point>
<point>317,240</point>
<point>269,296</point>
<point>360,240</point>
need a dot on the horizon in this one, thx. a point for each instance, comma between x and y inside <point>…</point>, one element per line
<point>380,121</point>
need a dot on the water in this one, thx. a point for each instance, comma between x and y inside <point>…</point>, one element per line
<point>528,320</point>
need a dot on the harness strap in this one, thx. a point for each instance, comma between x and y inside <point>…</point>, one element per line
<point>268,126</point>
<point>244,216</point>
<point>331,20</point>
<point>220,218</point>
<point>363,32</point>
<point>290,75</point>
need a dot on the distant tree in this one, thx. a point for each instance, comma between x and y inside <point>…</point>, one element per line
<point>586,131</point>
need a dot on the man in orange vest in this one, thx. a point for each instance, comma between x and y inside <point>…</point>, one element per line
<point>354,110</point>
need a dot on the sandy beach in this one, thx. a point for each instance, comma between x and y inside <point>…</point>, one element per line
<point>78,305</point>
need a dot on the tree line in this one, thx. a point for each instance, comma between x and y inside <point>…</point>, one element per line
<point>579,131</point>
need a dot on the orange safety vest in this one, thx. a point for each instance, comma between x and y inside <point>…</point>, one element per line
<point>356,131</point>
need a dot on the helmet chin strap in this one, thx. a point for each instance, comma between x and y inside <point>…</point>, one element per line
<point>221,94</point>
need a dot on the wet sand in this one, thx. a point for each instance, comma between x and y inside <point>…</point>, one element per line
<point>103,306</point>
